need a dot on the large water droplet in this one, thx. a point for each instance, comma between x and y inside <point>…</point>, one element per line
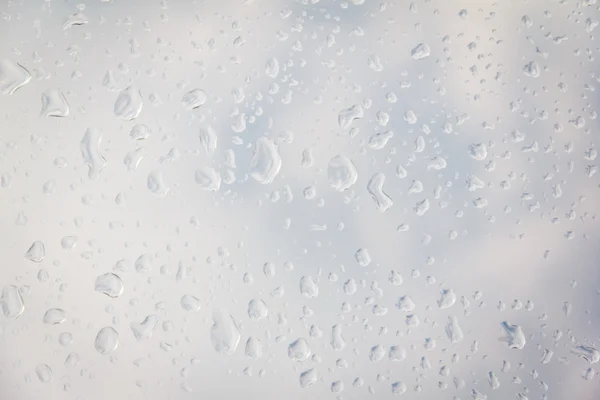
<point>194,99</point>
<point>515,337</point>
<point>55,316</point>
<point>299,350</point>
<point>346,116</point>
<point>12,76</point>
<point>12,302</point>
<point>266,161</point>
<point>208,179</point>
<point>128,104</point>
<point>143,330</point>
<point>54,104</point>
<point>420,51</point>
<point>107,340</point>
<point>308,378</point>
<point>90,151</point>
<point>257,309</point>
<point>110,284</point>
<point>36,252</point>
<point>341,173</point>
<point>224,334</point>
<point>157,184</point>
<point>44,373</point>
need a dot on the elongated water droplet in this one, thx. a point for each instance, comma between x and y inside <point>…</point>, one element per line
<point>224,334</point>
<point>208,140</point>
<point>90,151</point>
<point>375,188</point>
<point>266,161</point>
<point>157,184</point>
<point>453,330</point>
<point>338,342</point>
<point>44,373</point>
<point>12,302</point>
<point>588,353</point>
<point>253,348</point>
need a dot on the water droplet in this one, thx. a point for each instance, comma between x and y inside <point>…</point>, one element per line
<point>253,348</point>
<point>129,104</point>
<point>156,183</point>
<point>68,242</point>
<point>257,309</point>
<point>75,20</point>
<point>110,284</point>
<point>398,388</point>
<point>90,151</point>
<point>224,334</point>
<point>299,350</point>
<point>341,173</point>
<point>12,302</point>
<point>272,68</point>
<point>308,287</point>
<point>478,151</point>
<point>375,188</point>
<point>453,330</point>
<point>55,316</point>
<point>515,337</point>
<point>447,299</point>
<point>420,51</point>
<point>588,353</point>
<point>377,353</point>
<point>308,378</point>
<point>406,304</point>
<point>208,140</point>
<point>208,179</point>
<point>194,99</point>
<point>44,373</point>
<point>190,303</point>
<point>362,257</point>
<point>346,116</point>
<point>266,161</point>
<point>143,263</point>
<point>397,353</point>
<point>36,252</point>
<point>54,104</point>
<point>338,343</point>
<point>12,76</point>
<point>107,340</point>
<point>531,69</point>
<point>143,330</point>
<point>140,132</point>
